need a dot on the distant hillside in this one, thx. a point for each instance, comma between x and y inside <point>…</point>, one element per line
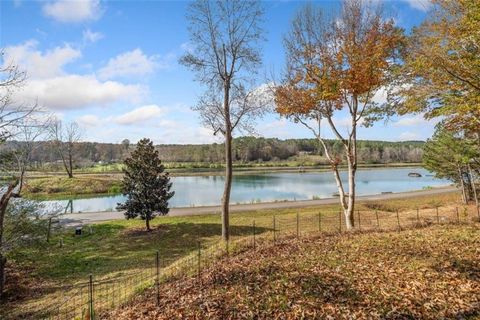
<point>245,149</point>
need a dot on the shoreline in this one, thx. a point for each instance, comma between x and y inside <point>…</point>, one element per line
<point>181,172</point>
<point>113,177</point>
<point>76,219</point>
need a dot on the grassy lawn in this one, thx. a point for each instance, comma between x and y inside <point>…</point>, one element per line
<point>58,186</point>
<point>122,246</point>
<point>425,273</point>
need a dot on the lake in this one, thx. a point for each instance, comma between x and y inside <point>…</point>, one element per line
<point>268,187</point>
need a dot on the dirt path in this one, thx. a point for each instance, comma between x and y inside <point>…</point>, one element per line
<point>93,217</point>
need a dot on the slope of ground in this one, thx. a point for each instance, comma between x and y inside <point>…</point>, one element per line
<point>425,273</point>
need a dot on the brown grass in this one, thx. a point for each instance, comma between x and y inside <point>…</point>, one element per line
<point>427,273</point>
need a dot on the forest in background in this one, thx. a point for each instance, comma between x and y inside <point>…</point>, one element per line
<point>245,150</point>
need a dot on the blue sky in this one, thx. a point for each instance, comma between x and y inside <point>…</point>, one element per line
<point>112,66</point>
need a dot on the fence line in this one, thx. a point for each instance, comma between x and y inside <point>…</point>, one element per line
<point>87,299</point>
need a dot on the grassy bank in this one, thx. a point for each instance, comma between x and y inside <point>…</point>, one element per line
<point>306,162</point>
<point>58,187</point>
<point>428,273</point>
<point>55,185</point>
<point>122,246</point>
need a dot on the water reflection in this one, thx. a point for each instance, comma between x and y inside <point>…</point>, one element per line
<point>207,190</point>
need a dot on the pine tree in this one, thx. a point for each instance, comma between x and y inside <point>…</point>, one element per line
<point>452,156</point>
<point>145,184</point>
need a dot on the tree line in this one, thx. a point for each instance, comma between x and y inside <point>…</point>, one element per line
<point>43,155</point>
<point>339,60</point>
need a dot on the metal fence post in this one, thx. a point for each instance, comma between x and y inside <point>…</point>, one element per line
<point>113,294</point>
<point>297,224</point>
<point>319,222</point>
<point>398,221</point>
<point>378,221</point>
<point>458,215</point>
<point>254,241</point>
<point>82,308</point>
<point>359,225</point>
<point>340,221</point>
<point>274,229</point>
<point>90,297</point>
<point>49,228</point>
<point>157,277</point>
<point>199,267</point>
<point>438,217</point>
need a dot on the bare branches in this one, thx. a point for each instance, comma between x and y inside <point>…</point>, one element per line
<point>244,107</point>
<point>225,36</point>
<point>12,113</point>
<point>64,138</point>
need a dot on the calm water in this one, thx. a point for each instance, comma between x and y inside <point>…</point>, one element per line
<point>207,190</point>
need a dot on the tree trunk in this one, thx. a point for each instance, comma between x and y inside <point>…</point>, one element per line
<point>70,164</point>
<point>462,185</point>
<point>472,182</point>
<point>349,216</point>
<point>3,208</point>
<point>20,185</point>
<point>147,223</point>
<point>352,170</point>
<point>228,166</point>
<point>3,276</point>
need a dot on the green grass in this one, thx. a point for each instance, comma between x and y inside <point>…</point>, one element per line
<point>307,161</point>
<point>122,246</point>
<point>56,186</point>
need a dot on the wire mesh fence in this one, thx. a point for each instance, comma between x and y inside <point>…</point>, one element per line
<point>90,298</point>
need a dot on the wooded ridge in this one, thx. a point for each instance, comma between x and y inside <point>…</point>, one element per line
<point>245,149</point>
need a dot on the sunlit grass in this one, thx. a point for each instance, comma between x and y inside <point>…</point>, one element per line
<point>120,247</point>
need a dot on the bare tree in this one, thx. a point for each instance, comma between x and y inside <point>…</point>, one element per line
<point>64,138</point>
<point>338,63</point>
<point>226,55</point>
<point>27,135</point>
<point>12,115</point>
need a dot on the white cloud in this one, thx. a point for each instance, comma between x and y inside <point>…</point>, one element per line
<point>140,115</point>
<point>168,133</point>
<point>53,88</point>
<point>73,11</point>
<point>416,120</point>
<point>89,120</point>
<point>76,91</point>
<point>275,129</point>
<point>409,135</point>
<point>422,5</point>
<point>410,121</point>
<point>38,64</point>
<point>131,63</point>
<point>90,36</point>
<point>380,96</point>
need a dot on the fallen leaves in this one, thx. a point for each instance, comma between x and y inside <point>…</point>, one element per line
<point>427,273</point>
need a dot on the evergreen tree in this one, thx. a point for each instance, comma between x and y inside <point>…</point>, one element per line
<point>145,184</point>
<point>452,156</point>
